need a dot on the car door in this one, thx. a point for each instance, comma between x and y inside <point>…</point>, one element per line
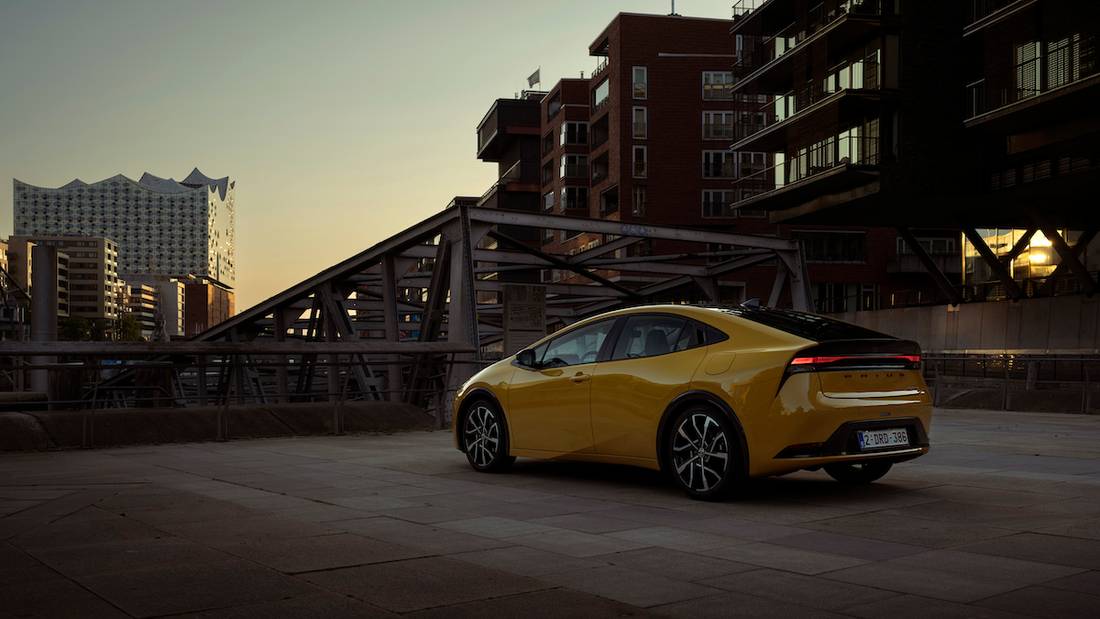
<point>548,405</point>
<point>653,361</point>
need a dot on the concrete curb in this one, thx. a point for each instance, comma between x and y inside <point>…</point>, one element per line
<point>41,430</point>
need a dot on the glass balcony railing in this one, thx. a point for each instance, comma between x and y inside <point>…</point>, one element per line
<point>1064,62</point>
<point>810,162</point>
<point>719,131</point>
<point>574,171</point>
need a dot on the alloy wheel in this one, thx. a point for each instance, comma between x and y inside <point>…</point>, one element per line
<point>482,435</point>
<point>700,452</point>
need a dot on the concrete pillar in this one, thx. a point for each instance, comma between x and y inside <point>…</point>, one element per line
<point>43,311</point>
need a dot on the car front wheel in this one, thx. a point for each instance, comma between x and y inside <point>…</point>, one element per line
<point>485,438</point>
<point>703,454</point>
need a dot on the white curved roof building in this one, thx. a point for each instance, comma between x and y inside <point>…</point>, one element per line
<point>162,226</point>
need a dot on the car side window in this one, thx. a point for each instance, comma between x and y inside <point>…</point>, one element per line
<point>649,336</point>
<point>576,347</point>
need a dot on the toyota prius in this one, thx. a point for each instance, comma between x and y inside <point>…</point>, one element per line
<point>710,395</point>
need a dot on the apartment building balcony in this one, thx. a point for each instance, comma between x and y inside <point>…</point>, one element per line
<point>776,36</point>
<point>783,118</point>
<point>519,178</point>
<point>830,166</point>
<point>505,120</point>
<point>1061,79</point>
<point>982,14</point>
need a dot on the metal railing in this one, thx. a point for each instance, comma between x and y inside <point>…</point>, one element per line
<point>601,64</point>
<point>1062,382</point>
<point>762,49</point>
<point>817,159</point>
<point>222,388</point>
<point>514,173</point>
<point>858,75</point>
<point>744,7</point>
<point>980,9</point>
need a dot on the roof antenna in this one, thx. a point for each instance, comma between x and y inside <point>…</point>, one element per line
<point>674,13</point>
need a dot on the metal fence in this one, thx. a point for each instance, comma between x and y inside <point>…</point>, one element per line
<point>1015,380</point>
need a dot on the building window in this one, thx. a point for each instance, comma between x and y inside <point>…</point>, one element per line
<point>718,203</point>
<point>638,203</point>
<point>641,162</point>
<point>641,82</point>
<point>719,164</point>
<point>932,246</point>
<point>548,201</point>
<point>548,143</point>
<point>717,85</point>
<point>574,166</point>
<point>601,94</point>
<point>832,246</point>
<point>574,133</point>
<point>641,123</point>
<point>553,106</point>
<point>841,297</point>
<point>717,125</point>
<point>574,198</point>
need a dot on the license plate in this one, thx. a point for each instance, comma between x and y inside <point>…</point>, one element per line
<point>875,439</point>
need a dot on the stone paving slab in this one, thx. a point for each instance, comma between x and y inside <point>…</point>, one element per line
<point>1002,519</point>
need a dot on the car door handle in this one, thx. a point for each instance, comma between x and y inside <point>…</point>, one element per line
<point>580,377</point>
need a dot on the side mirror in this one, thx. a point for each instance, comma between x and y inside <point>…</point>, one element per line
<point>526,358</point>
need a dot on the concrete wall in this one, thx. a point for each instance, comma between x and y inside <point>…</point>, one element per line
<point>1069,323</point>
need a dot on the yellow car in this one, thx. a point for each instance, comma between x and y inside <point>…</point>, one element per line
<point>711,395</point>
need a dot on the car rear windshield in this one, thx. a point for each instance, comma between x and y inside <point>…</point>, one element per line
<point>809,326</point>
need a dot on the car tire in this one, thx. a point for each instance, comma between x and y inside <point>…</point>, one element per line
<point>485,437</point>
<point>704,454</point>
<point>858,472</point>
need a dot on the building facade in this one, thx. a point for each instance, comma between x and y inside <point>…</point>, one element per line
<point>646,138</point>
<point>162,227</point>
<point>143,305</point>
<point>206,304</point>
<point>92,288</point>
<point>969,128</point>
<point>1031,84</point>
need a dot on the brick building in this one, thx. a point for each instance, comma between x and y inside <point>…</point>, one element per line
<point>646,139</point>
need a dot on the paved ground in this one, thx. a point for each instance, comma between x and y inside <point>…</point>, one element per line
<point>1002,518</point>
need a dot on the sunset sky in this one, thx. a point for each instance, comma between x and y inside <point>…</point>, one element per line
<point>342,121</point>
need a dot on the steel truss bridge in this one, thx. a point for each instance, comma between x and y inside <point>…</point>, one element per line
<point>413,316</point>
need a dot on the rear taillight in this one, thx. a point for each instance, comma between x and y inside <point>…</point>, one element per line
<point>840,362</point>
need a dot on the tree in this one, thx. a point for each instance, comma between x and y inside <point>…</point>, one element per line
<point>129,329</point>
<point>74,329</point>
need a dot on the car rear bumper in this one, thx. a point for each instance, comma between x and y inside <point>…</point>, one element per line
<point>843,445</point>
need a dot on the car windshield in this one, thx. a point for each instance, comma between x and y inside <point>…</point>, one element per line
<point>809,326</point>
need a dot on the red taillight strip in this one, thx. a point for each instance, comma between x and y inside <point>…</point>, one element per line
<point>828,360</point>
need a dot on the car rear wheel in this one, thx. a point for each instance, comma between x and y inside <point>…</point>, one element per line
<point>858,472</point>
<point>702,454</point>
<point>485,438</point>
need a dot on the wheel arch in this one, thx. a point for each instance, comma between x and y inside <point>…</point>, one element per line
<point>475,394</point>
<point>705,398</point>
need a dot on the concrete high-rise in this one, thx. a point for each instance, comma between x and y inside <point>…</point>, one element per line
<point>162,226</point>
